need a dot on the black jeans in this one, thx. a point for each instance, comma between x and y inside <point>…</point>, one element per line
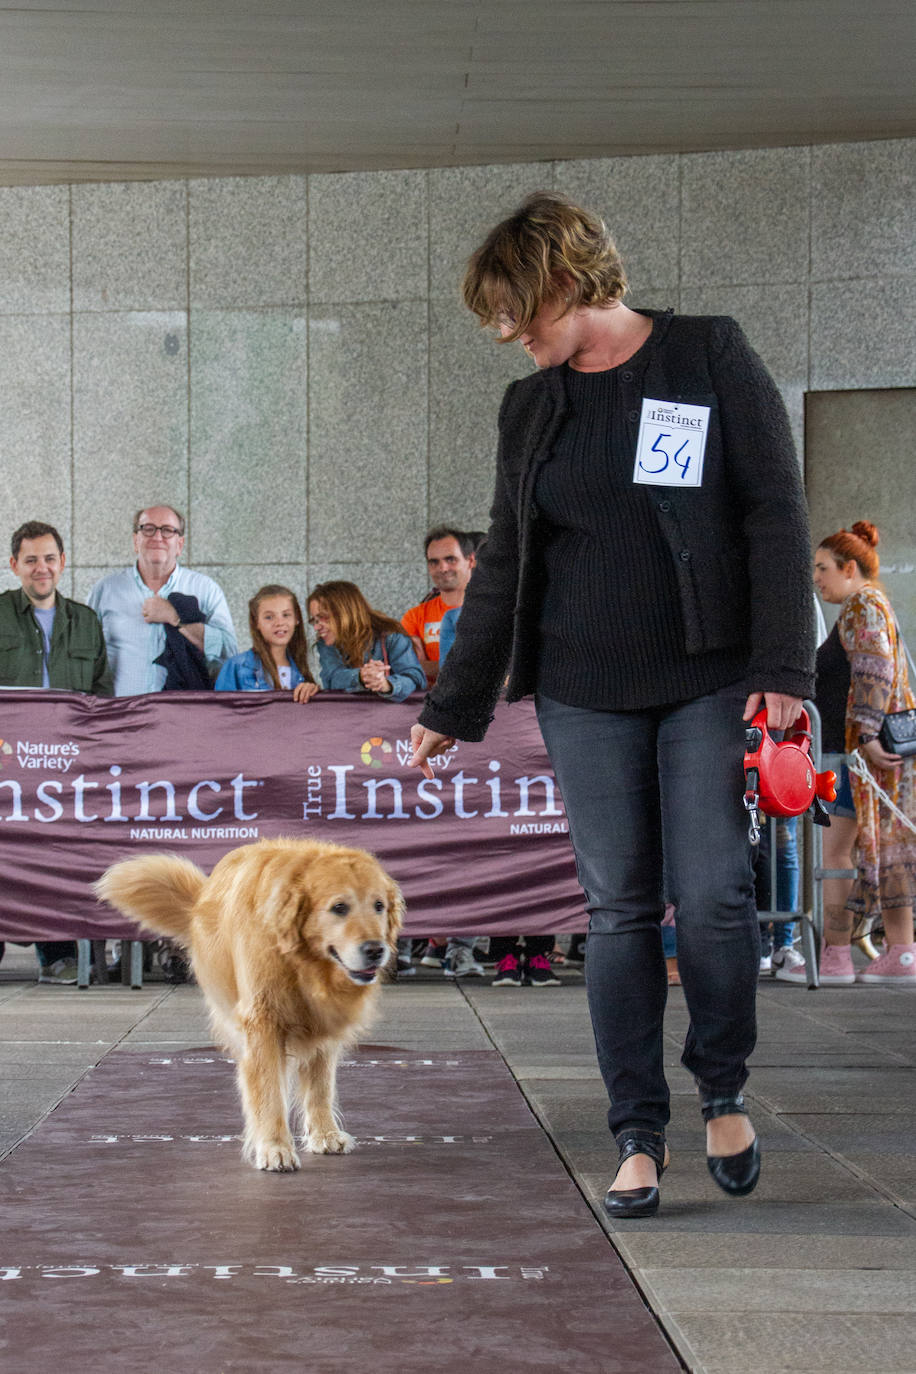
<point>654,804</point>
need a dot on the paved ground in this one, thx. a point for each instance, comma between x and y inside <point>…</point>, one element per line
<point>815,1271</point>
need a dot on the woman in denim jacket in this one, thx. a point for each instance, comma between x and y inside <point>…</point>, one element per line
<point>359,648</point>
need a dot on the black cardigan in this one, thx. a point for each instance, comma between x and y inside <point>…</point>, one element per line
<point>740,542</point>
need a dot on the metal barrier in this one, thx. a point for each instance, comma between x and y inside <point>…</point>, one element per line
<point>131,969</point>
<point>811,872</point>
<point>809,906</point>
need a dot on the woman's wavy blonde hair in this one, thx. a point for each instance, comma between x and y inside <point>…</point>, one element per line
<point>356,624</point>
<point>518,267</point>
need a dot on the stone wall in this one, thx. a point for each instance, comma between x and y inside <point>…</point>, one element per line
<point>286,359</point>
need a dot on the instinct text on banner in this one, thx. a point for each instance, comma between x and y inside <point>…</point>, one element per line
<point>85,781</point>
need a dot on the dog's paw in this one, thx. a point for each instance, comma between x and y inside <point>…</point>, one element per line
<point>330,1143</point>
<point>277,1157</point>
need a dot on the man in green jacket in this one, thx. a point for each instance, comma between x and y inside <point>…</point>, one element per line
<point>47,640</point>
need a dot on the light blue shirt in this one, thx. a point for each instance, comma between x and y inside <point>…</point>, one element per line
<point>132,644</point>
<point>45,617</point>
<point>447,632</point>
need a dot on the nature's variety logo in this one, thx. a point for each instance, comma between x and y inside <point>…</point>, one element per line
<point>5,748</point>
<point>367,747</point>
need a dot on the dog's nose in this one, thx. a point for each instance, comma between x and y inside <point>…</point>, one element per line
<point>373,951</point>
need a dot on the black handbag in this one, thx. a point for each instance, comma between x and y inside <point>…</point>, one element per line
<point>898,733</point>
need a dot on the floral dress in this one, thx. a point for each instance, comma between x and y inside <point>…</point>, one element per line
<point>885,853</point>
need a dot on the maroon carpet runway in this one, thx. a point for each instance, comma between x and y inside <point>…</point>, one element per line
<point>135,1238</point>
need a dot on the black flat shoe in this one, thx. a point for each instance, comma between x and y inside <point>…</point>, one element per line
<point>626,1203</point>
<point>735,1174</point>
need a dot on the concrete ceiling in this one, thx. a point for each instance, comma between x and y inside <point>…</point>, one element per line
<point>96,90</point>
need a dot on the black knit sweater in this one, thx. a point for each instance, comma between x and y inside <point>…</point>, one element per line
<point>738,544</point>
<point>610,625</point>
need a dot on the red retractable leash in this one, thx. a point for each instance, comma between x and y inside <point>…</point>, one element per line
<point>780,779</point>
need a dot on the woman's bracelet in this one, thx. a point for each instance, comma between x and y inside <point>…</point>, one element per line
<point>867,739</point>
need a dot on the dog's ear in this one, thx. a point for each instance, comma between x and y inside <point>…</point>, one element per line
<point>287,906</point>
<point>396,909</point>
<point>290,921</point>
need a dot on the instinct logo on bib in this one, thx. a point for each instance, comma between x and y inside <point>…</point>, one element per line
<point>671,444</point>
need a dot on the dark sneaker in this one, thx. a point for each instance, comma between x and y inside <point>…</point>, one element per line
<point>508,973</point>
<point>576,952</point>
<point>540,974</point>
<point>176,968</point>
<point>433,956</point>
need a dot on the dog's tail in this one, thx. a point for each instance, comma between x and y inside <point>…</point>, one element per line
<point>157,891</point>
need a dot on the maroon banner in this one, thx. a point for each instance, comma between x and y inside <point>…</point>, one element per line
<point>85,781</point>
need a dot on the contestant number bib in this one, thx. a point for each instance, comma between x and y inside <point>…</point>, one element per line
<point>671,444</point>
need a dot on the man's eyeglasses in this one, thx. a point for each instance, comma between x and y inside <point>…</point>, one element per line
<point>167,531</point>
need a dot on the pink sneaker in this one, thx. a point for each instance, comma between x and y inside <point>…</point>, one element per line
<point>836,969</point>
<point>897,965</point>
<point>508,973</point>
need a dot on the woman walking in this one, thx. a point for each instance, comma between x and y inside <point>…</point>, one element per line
<point>646,577</point>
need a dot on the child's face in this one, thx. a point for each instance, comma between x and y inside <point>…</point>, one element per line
<point>321,622</point>
<point>277,619</point>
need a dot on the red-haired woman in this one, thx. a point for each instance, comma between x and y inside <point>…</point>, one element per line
<point>845,574</point>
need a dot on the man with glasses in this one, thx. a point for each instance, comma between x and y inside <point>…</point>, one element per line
<point>135,610</point>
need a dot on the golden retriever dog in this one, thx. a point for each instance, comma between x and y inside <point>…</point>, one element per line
<point>287,940</point>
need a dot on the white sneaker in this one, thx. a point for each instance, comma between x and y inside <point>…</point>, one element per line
<point>61,971</point>
<point>788,960</point>
<point>766,966</point>
<point>460,962</point>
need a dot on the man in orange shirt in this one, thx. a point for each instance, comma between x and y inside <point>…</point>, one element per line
<point>450,559</point>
